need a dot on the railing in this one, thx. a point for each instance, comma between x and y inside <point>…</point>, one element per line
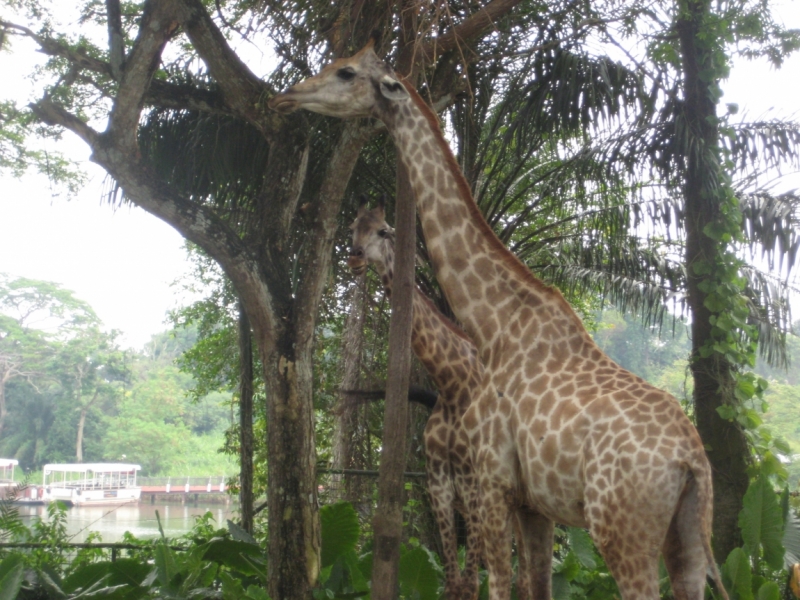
<point>176,485</point>
<point>72,547</point>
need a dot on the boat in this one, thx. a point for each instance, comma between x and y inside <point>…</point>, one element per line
<point>93,484</point>
<point>7,476</point>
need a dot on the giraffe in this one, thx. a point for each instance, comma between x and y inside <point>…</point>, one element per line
<point>451,359</point>
<point>570,436</point>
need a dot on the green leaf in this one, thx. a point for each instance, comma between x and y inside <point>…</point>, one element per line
<point>727,412</point>
<point>166,565</point>
<point>582,545</point>
<point>769,591</point>
<point>737,575</point>
<point>747,387</point>
<point>762,523</point>
<point>233,554</point>
<point>340,531</point>
<point>11,580</point>
<point>257,593</point>
<point>9,563</point>
<point>50,582</point>
<point>231,588</point>
<point>418,573</point>
<point>365,565</point>
<point>562,590</point>
<point>239,534</point>
<point>124,571</point>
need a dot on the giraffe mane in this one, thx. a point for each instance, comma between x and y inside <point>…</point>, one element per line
<point>463,187</point>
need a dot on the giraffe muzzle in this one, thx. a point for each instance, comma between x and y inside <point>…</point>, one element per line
<point>356,262</point>
<point>283,103</point>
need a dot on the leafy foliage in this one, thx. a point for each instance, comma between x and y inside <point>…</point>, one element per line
<point>63,377</point>
<point>761,521</point>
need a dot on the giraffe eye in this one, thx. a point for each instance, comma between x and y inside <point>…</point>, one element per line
<point>346,74</point>
<point>383,233</point>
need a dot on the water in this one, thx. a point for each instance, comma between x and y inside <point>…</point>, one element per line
<point>138,518</point>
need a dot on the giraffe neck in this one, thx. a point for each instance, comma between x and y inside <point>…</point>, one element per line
<point>485,284</point>
<point>449,357</point>
<point>385,266</point>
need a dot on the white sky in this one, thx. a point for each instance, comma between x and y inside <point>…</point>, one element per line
<point>123,261</point>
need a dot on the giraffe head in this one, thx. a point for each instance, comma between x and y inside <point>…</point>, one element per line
<point>359,86</point>
<point>373,239</point>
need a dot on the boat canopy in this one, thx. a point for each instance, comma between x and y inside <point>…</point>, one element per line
<point>93,467</point>
<point>5,463</point>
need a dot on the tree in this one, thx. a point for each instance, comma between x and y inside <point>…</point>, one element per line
<point>261,194</point>
<point>33,315</point>
<point>93,370</point>
<point>149,424</point>
<point>278,275</point>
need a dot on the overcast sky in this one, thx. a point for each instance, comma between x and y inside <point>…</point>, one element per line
<point>122,261</point>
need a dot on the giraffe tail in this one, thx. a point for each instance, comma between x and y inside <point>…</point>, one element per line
<point>705,503</point>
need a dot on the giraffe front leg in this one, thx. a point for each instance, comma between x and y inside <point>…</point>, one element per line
<point>496,534</point>
<point>442,503</point>
<point>469,583</point>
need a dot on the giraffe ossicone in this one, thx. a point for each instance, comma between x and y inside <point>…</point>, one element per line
<point>571,436</point>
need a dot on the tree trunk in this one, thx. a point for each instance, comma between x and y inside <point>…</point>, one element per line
<point>294,533</point>
<point>388,522</point>
<point>245,421</point>
<point>79,442</point>
<point>346,430</point>
<point>714,383</point>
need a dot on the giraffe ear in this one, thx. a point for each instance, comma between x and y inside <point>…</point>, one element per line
<point>381,208</point>
<point>392,89</point>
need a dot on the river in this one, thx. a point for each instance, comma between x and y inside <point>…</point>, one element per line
<point>111,522</point>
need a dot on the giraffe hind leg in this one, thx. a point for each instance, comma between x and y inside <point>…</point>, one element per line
<point>469,581</point>
<point>535,548</point>
<point>684,548</point>
<point>629,539</point>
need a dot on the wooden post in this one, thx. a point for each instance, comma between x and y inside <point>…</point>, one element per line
<point>388,521</point>
<point>245,421</point>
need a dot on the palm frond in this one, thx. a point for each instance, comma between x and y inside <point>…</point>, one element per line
<point>771,227</point>
<point>770,144</point>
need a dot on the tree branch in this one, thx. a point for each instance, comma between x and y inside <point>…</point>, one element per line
<point>158,24</point>
<point>243,91</point>
<point>116,43</point>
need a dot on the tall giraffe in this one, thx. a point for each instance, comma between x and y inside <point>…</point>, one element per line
<point>451,359</point>
<point>571,436</point>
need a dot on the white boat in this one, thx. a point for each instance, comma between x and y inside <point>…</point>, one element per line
<point>7,475</point>
<point>91,483</point>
